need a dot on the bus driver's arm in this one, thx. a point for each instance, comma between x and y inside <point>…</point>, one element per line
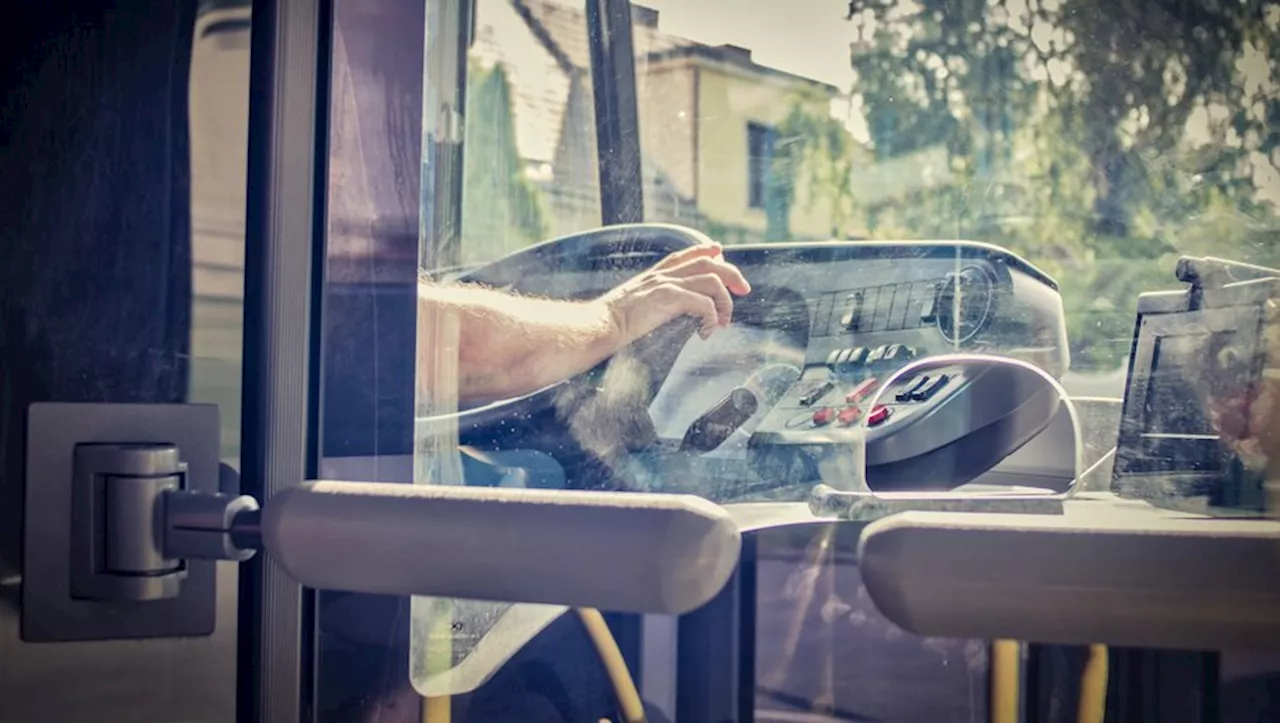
<point>510,345</point>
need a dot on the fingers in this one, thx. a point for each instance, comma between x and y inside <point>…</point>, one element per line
<point>728,274</point>
<point>691,303</point>
<point>693,252</point>
<point>714,288</point>
<point>696,281</point>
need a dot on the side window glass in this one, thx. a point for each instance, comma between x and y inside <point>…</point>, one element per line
<point>531,171</point>
<point>898,181</point>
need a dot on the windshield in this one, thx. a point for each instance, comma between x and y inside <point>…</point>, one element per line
<point>894,180</point>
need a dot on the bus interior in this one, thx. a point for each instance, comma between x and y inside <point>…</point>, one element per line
<point>994,436</point>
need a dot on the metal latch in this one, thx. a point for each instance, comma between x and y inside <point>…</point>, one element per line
<point>127,509</point>
<point>136,522</point>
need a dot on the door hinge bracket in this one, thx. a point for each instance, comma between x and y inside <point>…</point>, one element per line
<point>128,510</point>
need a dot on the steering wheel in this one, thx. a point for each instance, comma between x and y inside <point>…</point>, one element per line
<point>603,413</point>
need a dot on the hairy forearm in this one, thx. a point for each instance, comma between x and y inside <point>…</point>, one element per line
<point>509,345</point>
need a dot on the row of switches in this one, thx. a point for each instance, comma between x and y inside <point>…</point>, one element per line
<point>850,414</point>
<point>923,390</point>
<point>815,394</point>
<point>888,307</point>
<point>846,359</point>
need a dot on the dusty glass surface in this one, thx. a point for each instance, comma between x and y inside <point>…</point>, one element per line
<point>896,181</point>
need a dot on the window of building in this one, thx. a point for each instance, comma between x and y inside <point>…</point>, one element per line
<point>760,142</point>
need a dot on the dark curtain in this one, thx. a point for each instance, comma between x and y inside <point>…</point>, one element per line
<point>95,241</point>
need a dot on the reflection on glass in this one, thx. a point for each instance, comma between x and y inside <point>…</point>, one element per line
<point>219,99</point>
<point>1075,149</point>
<point>823,649</point>
<point>1177,393</point>
<point>372,201</point>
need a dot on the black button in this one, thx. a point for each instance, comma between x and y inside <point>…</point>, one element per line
<point>933,388</point>
<point>907,394</point>
<point>815,394</point>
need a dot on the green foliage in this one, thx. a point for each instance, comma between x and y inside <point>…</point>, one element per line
<point>501,208</point>
<point>1099,138</point>
<point>813,147</point>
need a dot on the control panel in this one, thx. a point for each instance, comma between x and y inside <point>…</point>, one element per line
<point>958,305</point>
<point>923,300</point>
<point>784,397</point>
<point>971,299</point>
<point>837,395</point>
<point>933,428</point>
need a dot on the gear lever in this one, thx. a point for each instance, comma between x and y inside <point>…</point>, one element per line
<point>762,389</point>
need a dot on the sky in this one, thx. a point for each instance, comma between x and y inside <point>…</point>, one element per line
<point>805,37</point>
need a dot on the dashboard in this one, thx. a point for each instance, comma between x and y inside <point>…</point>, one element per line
<point>781,399</point>
<point>825,328</point>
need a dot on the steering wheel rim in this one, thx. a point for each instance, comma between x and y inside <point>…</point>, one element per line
<point>615,253</point>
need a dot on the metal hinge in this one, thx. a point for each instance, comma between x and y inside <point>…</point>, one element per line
<point>128,504</point>
<point>136,522</point>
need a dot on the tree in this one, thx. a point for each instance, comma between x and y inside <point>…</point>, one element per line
<point>1100,138</point>
<point>501,208</point>
<point>814,150</point>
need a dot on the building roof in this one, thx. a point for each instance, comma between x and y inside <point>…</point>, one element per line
<point>734,56</point>
<point>567,27</point>
<point>542,44</point>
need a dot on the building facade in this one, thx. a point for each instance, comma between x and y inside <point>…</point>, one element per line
<point>708,119</point>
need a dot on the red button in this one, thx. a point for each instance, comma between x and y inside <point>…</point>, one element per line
<point>848,415</point>
<point>860,391</point>
<point>823,416</point>
<point>878,415</point>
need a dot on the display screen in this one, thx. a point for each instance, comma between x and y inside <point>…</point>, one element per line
<point>1189,374</point>
<point>1196,403</point>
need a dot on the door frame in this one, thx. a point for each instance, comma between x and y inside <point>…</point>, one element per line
<point>284,280</point>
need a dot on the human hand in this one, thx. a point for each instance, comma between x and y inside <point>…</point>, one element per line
<point>695,282</point>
